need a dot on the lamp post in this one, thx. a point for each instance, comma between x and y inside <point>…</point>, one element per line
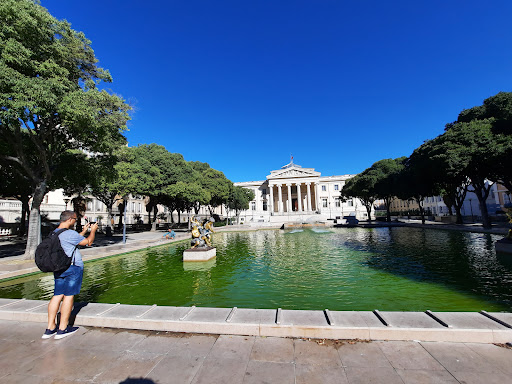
<point>471,206</point>
<point>330,216</point>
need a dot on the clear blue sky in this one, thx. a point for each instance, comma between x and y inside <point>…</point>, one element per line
<point>339,84</point>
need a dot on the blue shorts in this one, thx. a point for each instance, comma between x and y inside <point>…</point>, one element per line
<point>69,282</point>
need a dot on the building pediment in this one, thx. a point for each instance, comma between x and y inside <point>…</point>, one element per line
<point>293,172</point>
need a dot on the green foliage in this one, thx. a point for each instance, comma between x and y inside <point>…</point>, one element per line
<point>239,198</point>
<point>49,101</point>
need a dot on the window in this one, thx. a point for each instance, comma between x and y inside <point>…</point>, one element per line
<point>337,203</point>
<point>350,203</point>
<point>253,205</point>
<point>324,203</point>
<point>336,187</point>
<point>324,188</point>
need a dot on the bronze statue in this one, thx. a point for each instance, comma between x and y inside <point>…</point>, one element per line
<point>201,234</point>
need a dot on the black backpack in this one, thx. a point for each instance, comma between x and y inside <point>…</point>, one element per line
<point>50,257</point>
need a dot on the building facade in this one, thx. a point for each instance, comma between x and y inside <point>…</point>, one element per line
<point>294,193</point>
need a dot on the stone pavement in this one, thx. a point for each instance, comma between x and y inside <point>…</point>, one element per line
<point>104,355</point>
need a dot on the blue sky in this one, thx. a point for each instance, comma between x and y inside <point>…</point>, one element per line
<point>244,84</point>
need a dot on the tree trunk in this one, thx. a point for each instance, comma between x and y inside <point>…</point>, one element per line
<point>153,225</point>
<point>34,225</point>
<point>24,211</point>
<point>369,211</point>
<point>486,221</point>
<point>179,216</point>
<point>387,203</point>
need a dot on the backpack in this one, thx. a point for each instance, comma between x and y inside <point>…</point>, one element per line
<point>50,257</point>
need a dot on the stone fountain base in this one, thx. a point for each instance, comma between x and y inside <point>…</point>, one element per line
<point>504,246</point>
<point>199,254</point>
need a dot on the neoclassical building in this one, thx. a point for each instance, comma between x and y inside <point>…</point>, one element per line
<point>294,193</point>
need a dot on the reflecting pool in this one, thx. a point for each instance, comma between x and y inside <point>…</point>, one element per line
<point>400,269</point>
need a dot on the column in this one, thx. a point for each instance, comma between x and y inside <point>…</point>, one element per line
<point>257,197</point>
<point>289,201</point>
<point>308,186</point>
<point>299,197</point>
<point>280,202</point>
<point>316,197</point>
<point>271,202</point>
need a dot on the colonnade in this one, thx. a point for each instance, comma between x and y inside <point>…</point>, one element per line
<point>307,201</point>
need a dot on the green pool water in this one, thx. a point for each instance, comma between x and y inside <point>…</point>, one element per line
<point>399,269</point>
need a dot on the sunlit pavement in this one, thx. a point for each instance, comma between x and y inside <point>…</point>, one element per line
<point>101,355</point>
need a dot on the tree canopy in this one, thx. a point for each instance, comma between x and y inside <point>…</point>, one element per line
<point>50,103</point>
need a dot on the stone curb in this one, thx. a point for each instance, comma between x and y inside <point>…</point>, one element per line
<point>468,327</point>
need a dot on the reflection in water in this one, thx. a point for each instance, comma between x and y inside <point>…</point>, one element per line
<point>343,269</point>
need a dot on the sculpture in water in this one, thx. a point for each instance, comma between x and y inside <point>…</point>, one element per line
<point>201,233</point>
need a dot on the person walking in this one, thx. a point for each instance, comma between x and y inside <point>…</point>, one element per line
<point>69,282</point>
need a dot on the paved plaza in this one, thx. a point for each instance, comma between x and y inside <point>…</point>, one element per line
<point>104,355</point>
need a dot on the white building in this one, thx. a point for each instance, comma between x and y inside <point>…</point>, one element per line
<point>293,194</point>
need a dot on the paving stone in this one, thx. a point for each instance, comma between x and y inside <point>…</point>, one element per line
<point>14,353</point>
<point>166,313</point>
<point>27,379</point>
<point>24,305</point>
<point>127,311</point>
<point>310,352</point>
<point>311,318</point>
<point>459,357</point>
<point>90,309</point>
<point>3,302</point>
<point>356,319</point>
<point>209,314</point>
<point>5,329</point>
<point>232,347</point>
<point>418,376</point>
<point>221,370</point>
<point>192,345</point>
<point>498,355</point>
<point>372,375</point>
<point>159,343</point>
<point>26,331</point>
<point>468,320</point>
<point>319,374</point>
<point>410,320</point>
<point>61,365</point>
<point>469,377</point>
<point>362,355</point>
<point>254,316</point>
<point>409,355</point>
<point>119,341</point>
<point>264,372</point>
<point>176,369</point>
<point>91,339</point>
<point>506,317</point>
<point>273,349</point>
<point>130,364</point>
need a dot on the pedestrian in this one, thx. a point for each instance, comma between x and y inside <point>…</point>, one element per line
<point>68,282</point>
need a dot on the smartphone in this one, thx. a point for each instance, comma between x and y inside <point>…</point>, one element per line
<point>92,222</point>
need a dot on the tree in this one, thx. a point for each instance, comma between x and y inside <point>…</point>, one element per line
<point>217,185</point>
<point>238,200</point>
<point>386,173</point>
<point>14,184</point>
<point>471,146</point>
<point>362,186</point>
<point>49,99</point>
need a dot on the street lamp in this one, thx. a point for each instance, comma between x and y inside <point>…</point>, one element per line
<point>124,220</point>
<point>471,206</point>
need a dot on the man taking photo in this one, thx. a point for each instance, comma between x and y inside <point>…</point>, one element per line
<point>69,282</point>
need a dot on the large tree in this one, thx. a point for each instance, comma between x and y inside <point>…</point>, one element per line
<point>238,200</point>
<point>362,186</point>
<point>387,173</point>
<point>49,99</point>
